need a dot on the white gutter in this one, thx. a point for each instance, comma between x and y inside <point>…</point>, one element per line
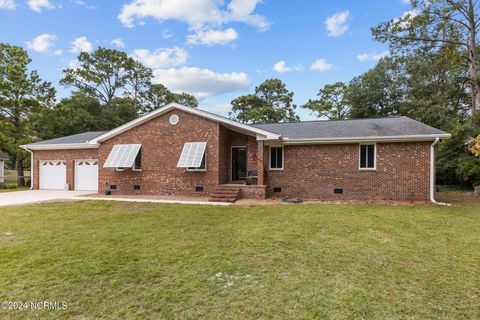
<point>399,138</point>
<point>63,146</point>
<point>432,174</point>
<point>31,166</point>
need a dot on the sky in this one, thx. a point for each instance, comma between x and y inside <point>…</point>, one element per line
<point>216,50</point>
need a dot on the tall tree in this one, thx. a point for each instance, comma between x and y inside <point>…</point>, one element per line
<point>157,95</point>
<point>105,73</point>
<point>331,102</point>
<point>120,111</point>
<point>138,80</point>
<point>76,114</point>
<point>22,93</point>
<point>378,92</point>
<point>271,102</point>
<point>434,23</point>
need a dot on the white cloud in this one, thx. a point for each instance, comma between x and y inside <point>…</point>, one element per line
<point>211,37</point>
<point>81,44</point>
<point>195,13</point>
<point>42,43</point>
<point>406,1</point>
<point>38,5</point>
<point>406,16</point>
<point>58,52</point>
<point>220,108</point>
<point>167,34</point>
<point>281,67</point>
<point>118,43</point>
<point>321,65</point>
<point>201,82</point>
<point>373,56</point>
<point>73,64</point>
<point>7,4</point>
<point>161,57</point>
<point>337,24</point>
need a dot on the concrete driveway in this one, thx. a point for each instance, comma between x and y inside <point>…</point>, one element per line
<point>34,196</point>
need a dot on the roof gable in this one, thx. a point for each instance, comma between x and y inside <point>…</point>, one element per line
<point>261,133</point>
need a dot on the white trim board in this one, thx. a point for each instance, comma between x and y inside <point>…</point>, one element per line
<point>350,140</point>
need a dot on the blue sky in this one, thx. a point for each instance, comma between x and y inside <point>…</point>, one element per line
<point>216,50</point>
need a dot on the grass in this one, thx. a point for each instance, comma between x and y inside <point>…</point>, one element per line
<point>13,189</point>
<point>112,260</point>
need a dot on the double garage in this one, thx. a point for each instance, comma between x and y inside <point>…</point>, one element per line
<point>53,175</point>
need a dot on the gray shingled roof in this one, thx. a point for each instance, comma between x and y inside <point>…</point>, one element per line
<point>3,155</point>
<point>324,129</point>
<point>76,138</point>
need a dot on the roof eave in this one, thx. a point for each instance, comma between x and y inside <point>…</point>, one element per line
<point>403,138</point>
<point>60,146</point>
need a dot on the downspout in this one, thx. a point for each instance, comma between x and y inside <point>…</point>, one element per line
<point>31,166</point>
<point>432,174</point>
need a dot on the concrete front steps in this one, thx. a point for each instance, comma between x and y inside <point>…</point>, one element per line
<point>226,193</point>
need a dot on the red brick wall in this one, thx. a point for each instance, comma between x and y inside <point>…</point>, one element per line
<point>67,155</point>
<point>224,153</point>
<point>162,144</point>
<point>313,171</point>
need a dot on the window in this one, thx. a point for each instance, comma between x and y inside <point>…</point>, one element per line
<point>193,156</point>
<point>367,156</point>
<point>137,166</point>
<point>202,165</point>
<point>174,119</point>
<point>276,158</point>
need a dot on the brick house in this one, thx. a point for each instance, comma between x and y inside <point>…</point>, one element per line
<point>182,151</point>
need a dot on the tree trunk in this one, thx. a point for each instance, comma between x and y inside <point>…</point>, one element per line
<point>20,173</point>
<point>472,57</point>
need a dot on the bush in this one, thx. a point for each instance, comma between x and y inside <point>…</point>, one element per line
<point>456,165</point>
<point>4,185</point>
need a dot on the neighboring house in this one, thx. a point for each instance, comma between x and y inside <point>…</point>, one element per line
<point>182,151</point>
<point>3,158</point>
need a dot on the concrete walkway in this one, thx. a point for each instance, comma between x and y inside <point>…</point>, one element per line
<point>36,196</point>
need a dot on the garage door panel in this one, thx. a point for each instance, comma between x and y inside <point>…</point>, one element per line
<point>86,175</point>
<point>53,174</point>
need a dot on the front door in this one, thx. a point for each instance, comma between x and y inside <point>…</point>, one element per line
<point>239,163</point>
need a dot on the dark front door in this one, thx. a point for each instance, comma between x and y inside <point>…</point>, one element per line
<point>239,163</point>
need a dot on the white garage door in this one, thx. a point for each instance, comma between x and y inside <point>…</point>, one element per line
<point>53,175</point>
<point>86,175</point>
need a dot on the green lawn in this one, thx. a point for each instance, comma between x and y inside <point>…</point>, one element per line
<point>14,189</point>
<point>111,260</point>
